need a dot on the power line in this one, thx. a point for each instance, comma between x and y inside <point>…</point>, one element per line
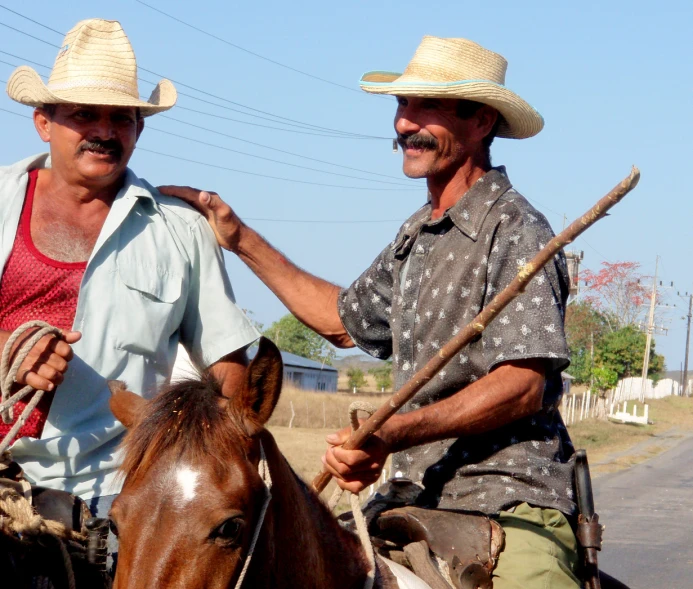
<point>215,166</point>
<point>31,20</point>
<point>296,130</point>
<point>29,35</point>
<point>248,51</point>
<point>206,129</point>
<point>294,122</point>
<point>209,114</point>
<point>346,134</point>
<point>267,159</point>
<point>247,172</point>
<point>268,220</point>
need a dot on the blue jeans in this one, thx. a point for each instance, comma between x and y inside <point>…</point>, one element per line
<point>99,507</point>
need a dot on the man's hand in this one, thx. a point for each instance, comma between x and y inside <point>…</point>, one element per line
<point>220,216</point>
<point>354,470</point>
<point>45,366</point>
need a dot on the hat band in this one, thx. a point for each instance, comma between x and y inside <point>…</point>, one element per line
<point>92,84</point>
<point>423,83</point>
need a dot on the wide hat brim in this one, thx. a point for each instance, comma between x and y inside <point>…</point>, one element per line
<point>26,86</point>
<point>520,119</point>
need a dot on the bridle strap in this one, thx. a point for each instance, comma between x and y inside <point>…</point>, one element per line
<point>264,472</point>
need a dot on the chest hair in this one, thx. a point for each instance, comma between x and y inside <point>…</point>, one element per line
<point>60,237</point>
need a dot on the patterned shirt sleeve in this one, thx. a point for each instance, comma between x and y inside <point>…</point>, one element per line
<point>365,307</point>
<point>531,326</point>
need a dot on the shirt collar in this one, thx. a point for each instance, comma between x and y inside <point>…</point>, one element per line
<point>468,213</point>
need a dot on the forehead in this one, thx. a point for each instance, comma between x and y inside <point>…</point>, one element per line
<point>95,108</point>
<point>443,103</point>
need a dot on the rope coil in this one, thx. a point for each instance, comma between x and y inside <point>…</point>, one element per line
<point>8,376</point>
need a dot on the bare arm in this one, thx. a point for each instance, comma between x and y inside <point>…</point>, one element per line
<point>311,299</point>
<point>510,392</point>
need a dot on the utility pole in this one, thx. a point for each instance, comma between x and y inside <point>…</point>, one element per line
<point>650,329</point>
<point>688,337</point>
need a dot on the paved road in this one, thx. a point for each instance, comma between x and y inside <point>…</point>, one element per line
<point>648,513</point>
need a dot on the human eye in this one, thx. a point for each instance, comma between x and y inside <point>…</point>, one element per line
<point>83,115</point>
<point>402,101</point>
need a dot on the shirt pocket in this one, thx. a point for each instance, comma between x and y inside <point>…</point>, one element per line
<point>151,299</point>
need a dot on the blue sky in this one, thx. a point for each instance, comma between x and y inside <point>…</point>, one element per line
<point>611,79</point>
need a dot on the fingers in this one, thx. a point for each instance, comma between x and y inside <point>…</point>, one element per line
<point>203,200</point>
<point>72,337</point>
<point>36,381</point>
<point>339,438</point>
<point>45,365</point>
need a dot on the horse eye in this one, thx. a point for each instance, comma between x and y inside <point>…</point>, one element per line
<point>230,530</point>
<point>113,527</point>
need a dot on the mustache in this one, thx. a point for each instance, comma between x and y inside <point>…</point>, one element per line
<point>417,141</point>
<point>108,146</point>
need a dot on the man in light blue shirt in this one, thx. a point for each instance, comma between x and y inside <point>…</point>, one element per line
<point>153,275</point>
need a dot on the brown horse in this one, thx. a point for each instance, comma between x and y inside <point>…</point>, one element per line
<point>192,494</point>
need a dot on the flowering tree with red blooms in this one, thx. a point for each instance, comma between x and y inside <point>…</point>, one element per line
<point>619,291</point>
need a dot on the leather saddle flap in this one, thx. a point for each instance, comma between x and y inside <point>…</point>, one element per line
<point>458,538</point>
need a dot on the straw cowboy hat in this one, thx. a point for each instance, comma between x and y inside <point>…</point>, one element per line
<point>458,68</point>
<point>96,65</point>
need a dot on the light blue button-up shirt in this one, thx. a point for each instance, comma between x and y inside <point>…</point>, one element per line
<point>155,278</point>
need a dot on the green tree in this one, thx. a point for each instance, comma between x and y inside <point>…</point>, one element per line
<point>585,325</point>
<point>603,378</point>
<point>622,352</point>
<point>356,378</point>
<point>382,375</point>
<point>290,335</point>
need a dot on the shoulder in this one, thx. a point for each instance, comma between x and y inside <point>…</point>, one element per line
<point>515,212</point>
<point>174,210</point>
<point>18,169</point>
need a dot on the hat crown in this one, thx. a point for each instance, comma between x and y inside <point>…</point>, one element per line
<point>96,53</point>
<point>451,60</point>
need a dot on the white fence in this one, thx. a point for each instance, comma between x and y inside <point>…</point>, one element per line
<point>629,389</point>
<point>581,406</point>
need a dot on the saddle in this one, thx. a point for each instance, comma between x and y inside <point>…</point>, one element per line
<point>444,548</point>
<point>40,557</point>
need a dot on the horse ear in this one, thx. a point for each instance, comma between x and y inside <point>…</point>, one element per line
<point>124,404</point>
<point>263,384</point>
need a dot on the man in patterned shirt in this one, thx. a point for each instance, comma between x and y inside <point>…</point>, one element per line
<point>484,434</point>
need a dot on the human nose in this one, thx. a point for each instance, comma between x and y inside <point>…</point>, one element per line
<point>103,128</point>
<point>404,123</point>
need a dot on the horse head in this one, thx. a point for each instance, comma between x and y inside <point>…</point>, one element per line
<point>192,493</point>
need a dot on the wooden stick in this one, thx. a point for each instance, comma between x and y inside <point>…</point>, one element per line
<point>481,321</point>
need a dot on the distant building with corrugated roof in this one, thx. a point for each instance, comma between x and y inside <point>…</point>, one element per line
<point>299,372</point>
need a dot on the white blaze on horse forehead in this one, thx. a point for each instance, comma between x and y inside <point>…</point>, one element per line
<point>187,481</point>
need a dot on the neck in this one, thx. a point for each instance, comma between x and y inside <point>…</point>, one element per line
<point>74,193</point>
<point>446,189</point>
<point>303,544</point>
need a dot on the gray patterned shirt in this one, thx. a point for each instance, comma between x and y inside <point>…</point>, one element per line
<point>427,285</point>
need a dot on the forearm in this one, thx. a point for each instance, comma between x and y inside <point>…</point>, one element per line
<point>312,300</point>
<point>512,391</point>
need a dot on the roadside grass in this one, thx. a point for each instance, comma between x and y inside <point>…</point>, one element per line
<point>613,446</point>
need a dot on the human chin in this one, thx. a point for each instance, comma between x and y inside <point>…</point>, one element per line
<point>417,167</point>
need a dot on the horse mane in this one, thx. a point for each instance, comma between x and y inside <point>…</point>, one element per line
<point>190,418</point>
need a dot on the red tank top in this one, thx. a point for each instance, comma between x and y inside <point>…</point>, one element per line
<point>34,286</point>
